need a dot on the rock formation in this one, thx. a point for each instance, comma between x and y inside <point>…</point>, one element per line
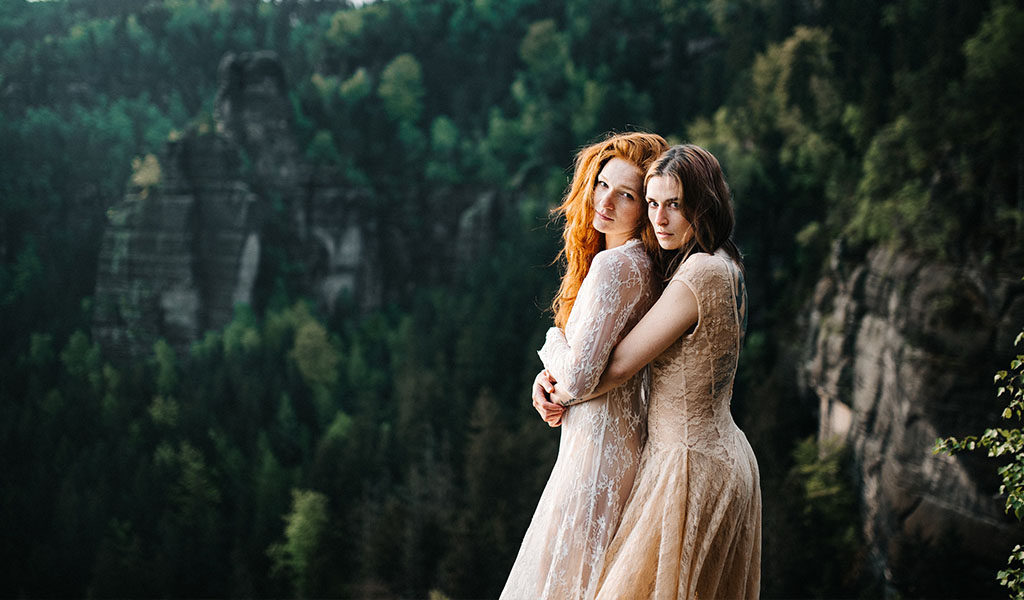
<point>184,247</point>
<point>893,354</point>
<point>188,241</point>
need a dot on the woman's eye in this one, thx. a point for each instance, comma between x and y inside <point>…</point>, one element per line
<point>602,184</point>
<point>652,204</point>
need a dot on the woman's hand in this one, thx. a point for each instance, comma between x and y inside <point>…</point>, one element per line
<point>543,385</point>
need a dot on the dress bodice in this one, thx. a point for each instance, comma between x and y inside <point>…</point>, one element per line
<point>692,380</point>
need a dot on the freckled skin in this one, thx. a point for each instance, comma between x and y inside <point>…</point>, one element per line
<point>617,201</point>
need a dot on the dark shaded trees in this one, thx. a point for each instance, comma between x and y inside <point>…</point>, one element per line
<point>394,452</point>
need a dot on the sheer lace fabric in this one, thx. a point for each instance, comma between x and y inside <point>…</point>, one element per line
<point>601,439</point>
<point>692,525</point>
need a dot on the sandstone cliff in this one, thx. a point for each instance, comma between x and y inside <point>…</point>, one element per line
<point>188,241</point>
<point>893,353</point>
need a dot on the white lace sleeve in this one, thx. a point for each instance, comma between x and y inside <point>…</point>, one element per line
<point>604,304</point>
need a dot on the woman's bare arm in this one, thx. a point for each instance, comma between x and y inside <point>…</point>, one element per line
<point>675,313</point>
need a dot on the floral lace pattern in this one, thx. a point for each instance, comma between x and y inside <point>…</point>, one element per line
<point>601,439</point>
<point>692,525</point>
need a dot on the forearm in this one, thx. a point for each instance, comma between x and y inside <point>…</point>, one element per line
<point>605,385</point>
<point>615,375</point>
<point>672,315</point>
<point>576,373</point>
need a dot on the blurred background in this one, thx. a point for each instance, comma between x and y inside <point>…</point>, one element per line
<point>273,275</point>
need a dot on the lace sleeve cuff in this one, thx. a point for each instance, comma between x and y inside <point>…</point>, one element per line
<point>555,345</point>
<point>560,360</point>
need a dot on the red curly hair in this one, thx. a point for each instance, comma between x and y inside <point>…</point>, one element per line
<point>582,241</point>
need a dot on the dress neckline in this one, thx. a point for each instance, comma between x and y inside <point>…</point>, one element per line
<point>623,246</point>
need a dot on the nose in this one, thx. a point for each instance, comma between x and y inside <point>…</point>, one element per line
<point>659,217</point>
<point>604,201</point>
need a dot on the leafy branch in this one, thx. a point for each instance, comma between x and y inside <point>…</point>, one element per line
<point>999,442</point>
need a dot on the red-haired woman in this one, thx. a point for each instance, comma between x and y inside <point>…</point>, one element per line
<point>608,285</point>
<point>692,525</point>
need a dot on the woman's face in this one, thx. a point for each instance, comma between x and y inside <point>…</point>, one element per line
<point>665,210</point>
<point>618,204</point>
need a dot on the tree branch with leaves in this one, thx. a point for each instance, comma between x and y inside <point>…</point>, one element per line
<point>1004,441</point>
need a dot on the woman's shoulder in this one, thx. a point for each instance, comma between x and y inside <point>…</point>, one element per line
<point>701,264</point>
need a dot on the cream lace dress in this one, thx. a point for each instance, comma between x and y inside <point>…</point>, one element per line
<point>601,440</point>
<point>692,525</point>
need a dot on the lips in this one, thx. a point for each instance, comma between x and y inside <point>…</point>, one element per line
<point>603,216</point>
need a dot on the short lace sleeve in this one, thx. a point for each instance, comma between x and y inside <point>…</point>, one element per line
<point>705,275</point>
<point>604,305</point>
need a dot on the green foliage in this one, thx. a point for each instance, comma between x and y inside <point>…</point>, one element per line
<point>1000,442</point>
<point>879,122</point>
<point>26,272</point>
<point>401,88</point>
<point>166,361</point>
<point>303,532</point>
<point>81,360</point>
<point>164,411</point>
<point>40,349</point>
<point>996,44</point>
<point>313,354</point>
<point>545,51</point>
<point>786,156</point>
<point>242,336</point>
<point>894,204</point>
<point>322,149</point>
<point>1012,577</point>
<point>825,520</point>
<point>355,88</point>
<point>146,173</point>
<point>317,361</point>
<point>445,146</point>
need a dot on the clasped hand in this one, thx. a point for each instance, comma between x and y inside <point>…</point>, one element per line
<point>544,391</point>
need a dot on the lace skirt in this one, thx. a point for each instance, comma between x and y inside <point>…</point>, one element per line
<point>580,507</point>
<point>691,528</point>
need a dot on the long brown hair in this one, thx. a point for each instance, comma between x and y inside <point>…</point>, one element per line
<point>706,202</point>
<point>582,241</point>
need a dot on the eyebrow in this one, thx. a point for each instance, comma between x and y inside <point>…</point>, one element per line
<point>602,177</point>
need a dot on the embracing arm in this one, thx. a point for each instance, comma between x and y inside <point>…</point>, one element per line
<point>675,313</point>
<point>606,300</point>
